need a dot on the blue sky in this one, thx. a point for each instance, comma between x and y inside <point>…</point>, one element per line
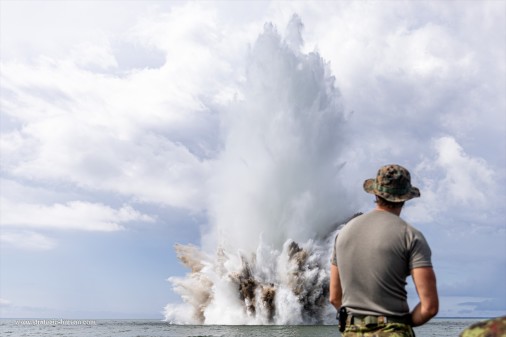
<point>117,118</point>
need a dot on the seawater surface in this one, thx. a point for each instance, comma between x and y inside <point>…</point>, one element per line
<point>440,327</point>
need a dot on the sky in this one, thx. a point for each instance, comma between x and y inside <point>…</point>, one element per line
<point>115,118</point>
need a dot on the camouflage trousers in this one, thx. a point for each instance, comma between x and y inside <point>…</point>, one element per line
<point>382,330</point>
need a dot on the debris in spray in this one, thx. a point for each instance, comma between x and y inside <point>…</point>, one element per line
<point>309,280</point>
<point>190,256</point>
<point>246,286</point>
<point>197,289</point>
<point>268,295</point>
<point>305,276</point>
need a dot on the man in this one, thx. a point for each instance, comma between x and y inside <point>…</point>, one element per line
<point>373,255</point>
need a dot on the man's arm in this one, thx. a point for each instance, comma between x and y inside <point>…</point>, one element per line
<point>425,283</point>
<point>336,293</point>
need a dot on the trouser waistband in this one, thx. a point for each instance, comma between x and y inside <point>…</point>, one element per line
<point>375,320</point>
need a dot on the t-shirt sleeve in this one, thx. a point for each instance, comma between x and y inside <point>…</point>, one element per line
<point>420,253</point>
<point>333,258</point>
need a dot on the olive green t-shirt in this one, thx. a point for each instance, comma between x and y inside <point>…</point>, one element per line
<point>375,253</point>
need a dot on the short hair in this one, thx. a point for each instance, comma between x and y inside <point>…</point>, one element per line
<point>388,204</point>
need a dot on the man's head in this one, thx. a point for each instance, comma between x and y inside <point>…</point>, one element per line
<point>392,183</point>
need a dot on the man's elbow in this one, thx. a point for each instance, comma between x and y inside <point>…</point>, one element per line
<point>431,310</point>
<point>434,310</point>
<point>335,302</point>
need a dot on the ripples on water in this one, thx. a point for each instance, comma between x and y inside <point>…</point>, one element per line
<point>152,328</point>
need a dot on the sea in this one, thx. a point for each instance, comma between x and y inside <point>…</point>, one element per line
<point>439,327</point>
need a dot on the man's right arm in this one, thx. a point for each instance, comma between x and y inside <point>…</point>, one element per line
<point>425,283</point>
<point>336,293</point>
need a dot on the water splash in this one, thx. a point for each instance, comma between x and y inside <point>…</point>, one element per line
<point>277,195</point>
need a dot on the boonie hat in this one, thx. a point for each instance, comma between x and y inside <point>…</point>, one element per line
<point>393,183</point>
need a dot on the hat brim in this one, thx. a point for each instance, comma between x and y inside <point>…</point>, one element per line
<point>370,187</point>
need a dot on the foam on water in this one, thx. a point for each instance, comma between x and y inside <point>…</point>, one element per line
<point>276,198</point>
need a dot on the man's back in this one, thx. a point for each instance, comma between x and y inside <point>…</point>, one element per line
<point>375,253</point>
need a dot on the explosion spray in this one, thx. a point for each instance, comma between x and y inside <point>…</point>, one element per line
<point>277,196</point>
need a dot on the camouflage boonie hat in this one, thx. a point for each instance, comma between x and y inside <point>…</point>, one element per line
<point>393,183</point>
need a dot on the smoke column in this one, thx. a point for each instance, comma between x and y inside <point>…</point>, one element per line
<point>277,197</point>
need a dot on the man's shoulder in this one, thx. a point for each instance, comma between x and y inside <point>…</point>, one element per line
<point>412,230</point>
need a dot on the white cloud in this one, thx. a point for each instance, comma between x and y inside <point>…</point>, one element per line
<point>454,182</point>
<point>33,28</point>
<point>4,302</point>
<point>128,136</point>
<point>98,55</point>
<point>74,215</point>
<point>27,240</point>
<point>412,71</point>
<point>146,134</point>
<point>467,179</point>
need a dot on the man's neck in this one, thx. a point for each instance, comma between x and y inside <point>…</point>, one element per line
<point>396,211</point>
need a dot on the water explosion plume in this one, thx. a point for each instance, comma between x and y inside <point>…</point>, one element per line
<point>276,195</point>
